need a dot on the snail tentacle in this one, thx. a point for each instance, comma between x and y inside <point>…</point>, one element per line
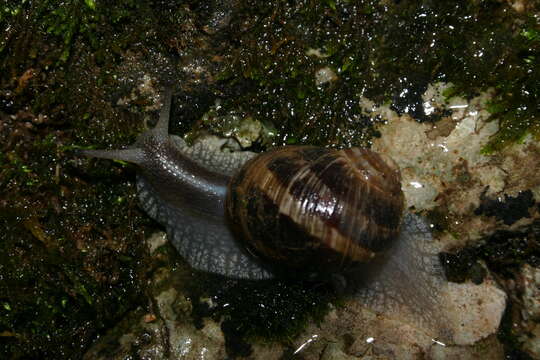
<point>161,130</point>
<point>135,155</point>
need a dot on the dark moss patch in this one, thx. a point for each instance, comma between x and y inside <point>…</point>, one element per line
<point>504,253</point>
<point>269,311</point>
<point>510,335</point>
<point>509,210</point>
<point>463,266</point>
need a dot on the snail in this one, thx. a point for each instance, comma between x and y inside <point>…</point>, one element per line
<point>304,210</point>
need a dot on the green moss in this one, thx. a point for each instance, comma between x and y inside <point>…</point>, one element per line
<point>71,19</point>
<point>60,275</point>
<point>72,260</point>
<point>48,297</point>
<point>387,52</point>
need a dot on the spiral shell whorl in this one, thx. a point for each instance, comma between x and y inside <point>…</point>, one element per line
<point>316,209</point>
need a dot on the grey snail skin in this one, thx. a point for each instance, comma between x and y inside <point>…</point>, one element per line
<point>311,211</point>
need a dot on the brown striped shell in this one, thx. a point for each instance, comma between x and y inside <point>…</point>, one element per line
<point>316,209</point>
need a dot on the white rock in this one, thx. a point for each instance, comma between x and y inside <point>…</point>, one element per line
<point>324,75</point>
<point>475,311</point>
<point>530,286</point>
<point>156,240</point>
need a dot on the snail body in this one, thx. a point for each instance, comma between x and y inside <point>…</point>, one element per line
<point>302,208</point>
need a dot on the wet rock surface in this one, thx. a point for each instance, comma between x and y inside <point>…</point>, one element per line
<point>450,91</point>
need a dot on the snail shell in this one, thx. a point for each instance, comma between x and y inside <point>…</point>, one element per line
<point>311,209</point>
<point>327,209</point>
